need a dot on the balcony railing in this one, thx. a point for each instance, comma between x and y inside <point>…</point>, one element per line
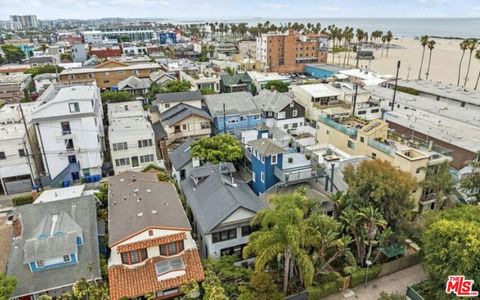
<point>297,175</point>
<point>351,132</point>
<point>385,148</point>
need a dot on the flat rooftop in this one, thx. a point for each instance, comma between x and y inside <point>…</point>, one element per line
<point>94,70</point>
<point>13,78</point>
<point>60,194</point>
<point>260,77</point>
<point>451,131</point>
<point>444,90</point>
<point>320,90</point>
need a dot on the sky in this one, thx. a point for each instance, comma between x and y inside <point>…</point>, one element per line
<point>239,9</point>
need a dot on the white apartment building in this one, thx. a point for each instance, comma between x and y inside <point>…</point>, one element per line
<point>131,137</point>
<point>202,80</point>
<point>94,37</point>
<point>68,123</point>
<point>17,166</point>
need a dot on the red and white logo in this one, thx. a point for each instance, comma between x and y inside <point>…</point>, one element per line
<point>460,286</point>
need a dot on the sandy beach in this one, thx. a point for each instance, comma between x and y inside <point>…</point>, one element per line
<point>444,67</point>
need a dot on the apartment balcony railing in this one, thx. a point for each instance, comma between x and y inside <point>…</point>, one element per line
<point>296,175</point>
<point>351,132</point>
<point>385,148</point>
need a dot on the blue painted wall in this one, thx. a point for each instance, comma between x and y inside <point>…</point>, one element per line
<point>248,122</point>
<point>34,268</point>
<point>267,168</point>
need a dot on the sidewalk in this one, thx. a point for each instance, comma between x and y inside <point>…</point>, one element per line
<point>398,281</point>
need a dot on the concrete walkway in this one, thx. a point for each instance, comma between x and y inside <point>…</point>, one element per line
<point>398,281</point>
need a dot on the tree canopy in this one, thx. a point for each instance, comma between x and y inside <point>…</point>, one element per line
<point>262,287</point>
<point>278,85</point>
<point>112,96</point>
<point>12,53</point>
<point>230,277</point>
<point>7,286</point>
<point>43,69</point>
<point>217,149</point>
<point>378,184</point>
<point>169,87</point>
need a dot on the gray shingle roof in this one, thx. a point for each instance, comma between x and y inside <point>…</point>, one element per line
<point>266,147</point>
<point>134,83</point>
<point>177,97</point>
<point>272,101</point>
<point>180,112</point>
<point>138,201</point>
<point>239,78</point>
<point>206,170</point>
<point>158,131</point>
<point>182,154</point>
<point>214,198</point>
<point>235,103</point>
<point>83,211</point>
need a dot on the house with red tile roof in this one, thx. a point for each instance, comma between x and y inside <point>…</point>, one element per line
<point>152,249</point>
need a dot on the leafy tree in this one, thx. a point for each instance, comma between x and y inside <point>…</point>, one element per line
<point>471,182</point>
<point>452,247</point>
<point>370,184</point>
<point>112,96</point>
<point>170,87</point>
<point>216,149</point>
<point>440,181</point>
<point>278,85</point>
<point>190,289</point>
<point>212,287</point>
<point>230,71</point>
<point>262,287</point>
<point>2,60</point>
<point>45,297</point>
<point>284,235</point>
<point>43,69</point>
<point>66,56</point>
<point>231,277</point>
<point>123,39</point>
<point>7,286</point>
<point>391,296</point>
<point>83,289</point>
<point>12,53</point>
<point>207,91</point>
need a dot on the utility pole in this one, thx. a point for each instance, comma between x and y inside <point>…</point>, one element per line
<point>395,87</point>
<point>224,120</point>
<point>37,179</point>
<point>355,99</point>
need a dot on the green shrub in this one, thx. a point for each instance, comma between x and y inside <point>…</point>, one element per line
<point>325,289</point>
<point>22,200</point>
<point>357,277</point>
<point>407,90</point>
<point>151,166</point>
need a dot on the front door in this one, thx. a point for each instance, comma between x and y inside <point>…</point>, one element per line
<point>75,176</point>
<point>135,161</point>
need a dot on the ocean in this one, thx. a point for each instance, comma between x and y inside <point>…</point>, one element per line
<point>411,27</point>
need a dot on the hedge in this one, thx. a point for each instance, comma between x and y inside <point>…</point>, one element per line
<point>357,277</point>
<point>152,166</point>
<point>22,200</point>
<point>407,90</point>
<point>325,289</point>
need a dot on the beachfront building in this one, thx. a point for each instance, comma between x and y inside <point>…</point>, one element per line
<point>152,249</point>
<point>130,136</point>
<point>367,77</point>
<point>289,52</point>
<point>107,75</point>
<point>280,110</point>
<point>233,112</point>
<point>359,137</point>
<point>222,206</point>
<point>54,245</point>
<point>68,123</point>
<point>18,168</point>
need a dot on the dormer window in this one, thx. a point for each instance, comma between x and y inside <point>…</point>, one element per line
<point>74,107</point>
<point>171,248</point>
<point>134,257</point>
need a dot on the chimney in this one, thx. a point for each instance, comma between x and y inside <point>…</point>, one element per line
<point>233,180</point>
<point>17,226</point>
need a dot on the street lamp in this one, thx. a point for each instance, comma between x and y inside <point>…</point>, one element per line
<point>368,263</point>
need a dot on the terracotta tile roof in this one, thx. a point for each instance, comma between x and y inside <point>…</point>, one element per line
<point>152,242</point>
<point>134,282</point>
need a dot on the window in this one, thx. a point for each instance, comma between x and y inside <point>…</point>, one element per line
<point>66,258</point>
<point>65,127</point>
<point>253,176</point>
<point>362,139</point>
<point>247,230</point>
<point>146,158</point>
<point>274,159</point>
<point>224,235</point>
<point>205,125</point>
<point>134,257</point>
<point>144,143</point>
<point>184,127</point>
<point>262,159</point>
<point>262,177</point>
<point>281,115</point>
<point>40,263</point>
<point>171,248</point>
<point>294,113</point>
<point>374,111</point>
<point>418,170</point>
<point>69,144</point>
<point>292,104</point>
<point>122,162</point>
<point>374,155</point>
<point>169,265</point>
<point>120,146</point>
<point>361,112</point>
<point>74,107</point>
<point>167,105</point>
<point>72,159</point>
<point>285,126</point>
<point>21,152</point>
<point>351,144</point>
<point>150,232</point>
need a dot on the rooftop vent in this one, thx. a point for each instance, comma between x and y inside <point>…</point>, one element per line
<point>139,214</point>
<point>154,211</point>
<point>149,190</point>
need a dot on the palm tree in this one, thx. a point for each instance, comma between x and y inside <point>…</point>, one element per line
<point>477,56</point>
<point>472,45</point>
<point>389,39</point>
<point>373,223</point>
<point>284,233</point>
<point>351,220</point>
<point>431,46</point>
<point>348,35</point>
<point>424,43</point>
<point>439,180</point>
<point>463,47</point>
<point>384,40</point>
<point>471,182</point>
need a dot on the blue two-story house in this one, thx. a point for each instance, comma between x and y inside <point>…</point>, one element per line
<point>55,244</point>
<point>272,164</point>
<point>233,112</point>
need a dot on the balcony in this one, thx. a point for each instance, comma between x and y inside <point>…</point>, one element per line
<point>333,103</point>
<point>383,147</point>
<point>350,131</point>
<point>294,176</point>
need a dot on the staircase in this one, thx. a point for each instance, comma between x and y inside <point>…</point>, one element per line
<point>65,174</point>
